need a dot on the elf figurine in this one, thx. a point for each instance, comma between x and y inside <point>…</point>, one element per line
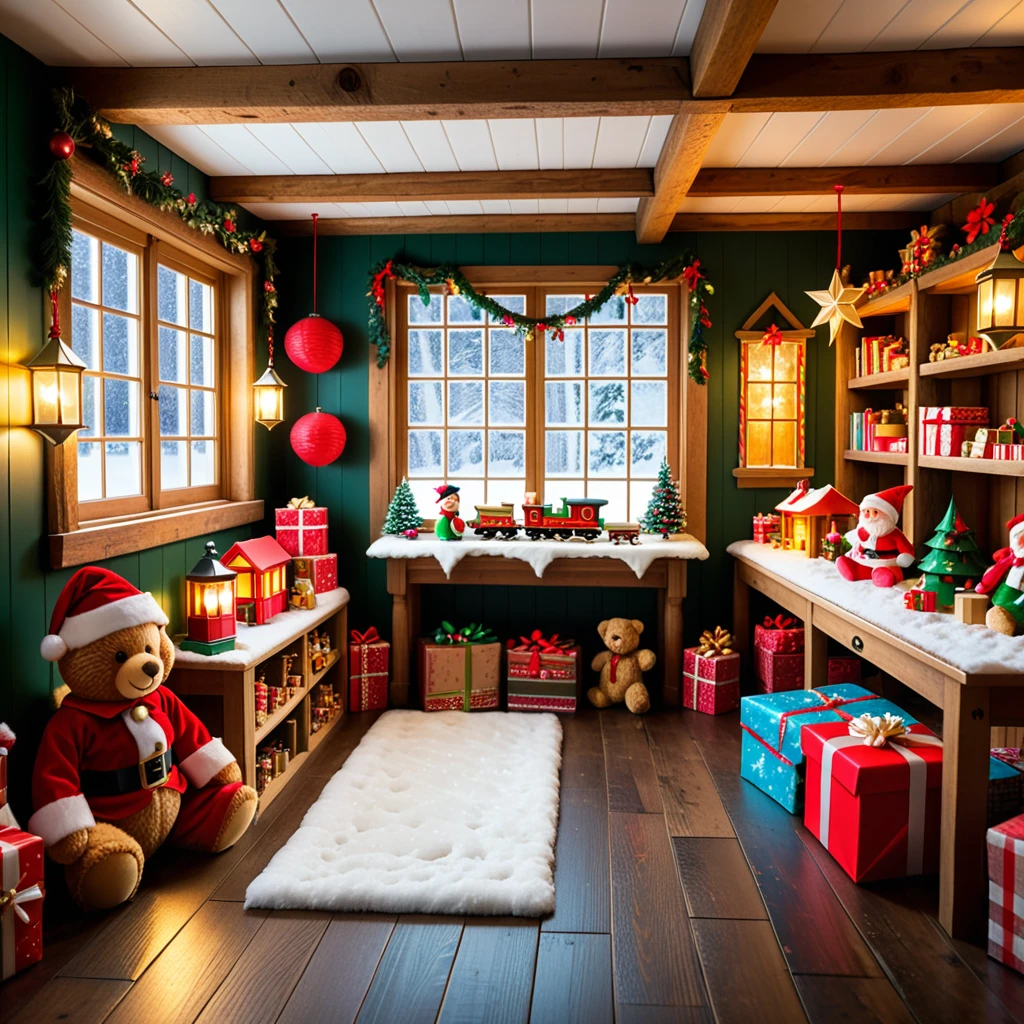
<point>448,526</point>
<point>877,549</point>
<point>1006,578</point>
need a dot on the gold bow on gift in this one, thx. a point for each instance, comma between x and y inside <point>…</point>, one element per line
<point>716,644</point>
<point>304,502</point>
<point>876,731</point>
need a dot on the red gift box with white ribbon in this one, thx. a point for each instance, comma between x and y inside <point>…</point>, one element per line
<point>876,809</point>
<point>944,428</point>
<point>301,531</point>
<point>711,684</point>
<point>1005,892</point>
<point>368,657</point>
<point>21,900</point>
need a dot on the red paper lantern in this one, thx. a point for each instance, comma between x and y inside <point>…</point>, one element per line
<point>313,344</point>
<point>318,438</point>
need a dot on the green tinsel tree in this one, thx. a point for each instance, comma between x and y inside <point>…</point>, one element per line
<point>665,513</point>
<point>954,560</point>
<point>403,513</point>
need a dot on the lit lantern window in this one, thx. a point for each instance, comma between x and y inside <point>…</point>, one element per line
<point>1001,295</point>
<point>56,390</point>
<point>210,598</point>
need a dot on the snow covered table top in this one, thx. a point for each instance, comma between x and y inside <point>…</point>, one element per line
<point>537,553</point>
<point>254,643</point>
<point>972,649</point>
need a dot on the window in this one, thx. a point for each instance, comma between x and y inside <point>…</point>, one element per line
<point>150,341</point>
<point>588,416</point>
<point>773,388</point>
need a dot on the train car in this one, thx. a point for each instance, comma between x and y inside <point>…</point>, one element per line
<point>623,531</point>
<point>578,517</point>
<point>494,521</point>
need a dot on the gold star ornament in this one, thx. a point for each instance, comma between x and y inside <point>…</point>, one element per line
<point>837,304</point>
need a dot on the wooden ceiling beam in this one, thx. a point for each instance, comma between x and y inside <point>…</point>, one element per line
<point>725,39</point>
<point>517,223</point>
<point>589,183</point>
<point>603,87</point>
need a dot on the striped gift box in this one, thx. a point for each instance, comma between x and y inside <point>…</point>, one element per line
<point>1005,893</point>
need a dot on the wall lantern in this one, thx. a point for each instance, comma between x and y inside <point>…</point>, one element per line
<point>56,387</point>
<point>210,596</point>
<point>268,391</point>
<point>1001,295</point>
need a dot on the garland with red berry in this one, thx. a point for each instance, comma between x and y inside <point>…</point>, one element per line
<point>453,282</point>
<point>79,127</point>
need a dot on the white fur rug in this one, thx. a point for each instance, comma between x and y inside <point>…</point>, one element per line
<point>440,813</point>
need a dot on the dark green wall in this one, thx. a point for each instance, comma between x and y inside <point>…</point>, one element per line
<point>744,269</point>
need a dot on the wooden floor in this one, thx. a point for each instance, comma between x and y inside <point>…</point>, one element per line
<point>683,894</point>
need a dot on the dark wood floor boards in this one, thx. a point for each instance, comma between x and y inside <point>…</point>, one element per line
<point>73,1001</point>
<point>582,751</point>
<point>632,781</point>
<point>573,983</point>
<point>716,879</point>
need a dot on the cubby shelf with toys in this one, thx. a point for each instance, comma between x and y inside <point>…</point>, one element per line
<point>881,458</point>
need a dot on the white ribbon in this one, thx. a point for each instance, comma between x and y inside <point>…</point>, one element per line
<point>10,862</point>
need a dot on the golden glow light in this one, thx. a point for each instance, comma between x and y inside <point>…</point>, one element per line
<point>1001,295</point>
<point>56,391</point>
<point>268,398</point>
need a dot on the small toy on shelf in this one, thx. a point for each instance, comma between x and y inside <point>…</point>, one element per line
<point>878,550</point>
<point>918,600</point>
<point>806,515</point>
<point>448,526</point>
<point>832,545</point>
<point>261,696</point>
<point>210,598</point>
<point>878,282</point>
<point>617,532</point>
<point>953,560</point>
<point>403,517</point>
<point>711,674</point>
<point>1005,582</point>
<point>621,666</point>
<point>921,250</point>
<point>261,585</point>
<point>765,526</point>
<point>665,513</point>
<point>320,570</point>
<point>302,594</point>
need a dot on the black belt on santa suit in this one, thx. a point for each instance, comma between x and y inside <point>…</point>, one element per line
<point>148,774</point>
<point>872,553</point>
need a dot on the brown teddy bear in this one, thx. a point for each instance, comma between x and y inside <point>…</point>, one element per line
<point>123,764</point>
<point>621,667</point>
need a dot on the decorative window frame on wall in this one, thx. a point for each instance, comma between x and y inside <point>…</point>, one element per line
<point>795,333</point>
<point>96,197</point>
<point>387,441</point>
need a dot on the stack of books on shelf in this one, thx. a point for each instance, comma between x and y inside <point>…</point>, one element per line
<point>880,355</point>
<point>879,430</point>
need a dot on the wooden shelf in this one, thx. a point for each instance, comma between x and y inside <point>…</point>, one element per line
<point>1004,360</point>
<point>987,467</point>
<point>332,660</point>
<point>315,738</point>
<point>888,304</point>
<point>275,786</point>
<point>281,714</point>
<point>957,278</point>
<point>882,458</point>
<point>891,380</point>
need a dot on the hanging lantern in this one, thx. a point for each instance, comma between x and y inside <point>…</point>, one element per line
<point>56,386</point>
<point>268,391</point>
<point>1001,295</point>
<point>314,344</point>
<point>210,596</point>
<point>318,438</point>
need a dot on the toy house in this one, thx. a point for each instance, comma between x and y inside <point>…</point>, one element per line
<point>807,516</point>
<point>262,587</point>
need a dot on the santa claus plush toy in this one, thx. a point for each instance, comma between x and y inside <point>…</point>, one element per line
<point>877,550</point>
<point>1005,581</point>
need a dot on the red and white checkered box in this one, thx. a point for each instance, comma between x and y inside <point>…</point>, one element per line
<point>301,531</point>
<point>1008,452</point>
<point>711,684</point>
<point>1005,892</point>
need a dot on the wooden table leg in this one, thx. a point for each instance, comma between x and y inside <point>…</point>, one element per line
<point>740,614</point>
<point>239,695</point>
<point>815,653</point>
<point>962,880</point>
<point>400,653</point>
<point>672,631</point>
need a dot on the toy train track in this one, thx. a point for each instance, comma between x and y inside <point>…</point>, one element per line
<point>578,517</point>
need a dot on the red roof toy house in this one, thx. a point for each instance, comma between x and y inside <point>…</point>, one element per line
<point>806,516</point>
<point>262,589</point>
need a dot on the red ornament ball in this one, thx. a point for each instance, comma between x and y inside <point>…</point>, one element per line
<point>62,145</point>
<point>318,438</point>
<point>314,344</point>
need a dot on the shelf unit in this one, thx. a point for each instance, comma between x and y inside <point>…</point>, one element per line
<point>220,688</point>
<point>925,311</point>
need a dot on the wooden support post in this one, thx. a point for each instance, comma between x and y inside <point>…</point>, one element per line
<point>815,653</point>
<point>740,612</point>
<point>965,738</point>
<point>239,697</point>
<point>401,654</point>
<point>672,631</point>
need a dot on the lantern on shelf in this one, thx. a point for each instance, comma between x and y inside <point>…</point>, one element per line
<point>314,344</point>
<point>56,387</point>
<point>268,391</point>
<point>1001,295</point>
<point>318,438</point>
<point>210,596</point>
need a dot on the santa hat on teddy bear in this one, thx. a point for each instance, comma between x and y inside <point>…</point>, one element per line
<point>889,501</point>
<point>1016,528</point>
<point>94,603</point>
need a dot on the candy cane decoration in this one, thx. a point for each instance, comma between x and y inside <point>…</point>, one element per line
<point>743,404</point>
<point>801,375</point>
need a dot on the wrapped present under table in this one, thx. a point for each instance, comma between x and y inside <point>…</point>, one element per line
<point>460,669</point>
<point>368,657</point>
<point>21,900</point>
<point>779,654</point>
<point>1006,893</point>
<point>542,673</point>
<point>711,674</point>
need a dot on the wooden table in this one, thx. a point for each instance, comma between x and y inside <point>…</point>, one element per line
<point>666,574</point>
<point>971,705</point>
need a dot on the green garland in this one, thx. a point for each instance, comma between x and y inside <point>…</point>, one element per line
<point>686,265</point>
<point>91,133</point>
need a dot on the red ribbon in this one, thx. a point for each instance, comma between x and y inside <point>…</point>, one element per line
<point>692,274</point>
<point>537,644</point>
<point>614,664</point>
<point>780,622</point>
<point>827,704</point>
<point>371,636</point>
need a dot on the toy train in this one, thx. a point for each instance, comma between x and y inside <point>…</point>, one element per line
<point>578,517</point>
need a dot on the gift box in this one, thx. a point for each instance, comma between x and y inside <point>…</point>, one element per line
<point>781,635</point>
<point>542,674</point>
<point>876,809</point>
<point>322,570</point>
<point>21,900</point>
<point>711,683</point>
<point>368,657</point>
<point>1004,790</point>
<point>771,758</point>
<point>301,531</point>
<point>457,674</point>
<point>1006,893</point>
<point>920,600</point>
<point>1008,452</point>
<point>778,672</point>
<point>945,428</point>
<point>843,670</point>
<point>764,526</point>
<point>6,742</point>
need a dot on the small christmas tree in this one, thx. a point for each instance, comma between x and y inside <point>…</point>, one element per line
<point>665,513</point>
<point>403,514</point>
<point>954,560</point>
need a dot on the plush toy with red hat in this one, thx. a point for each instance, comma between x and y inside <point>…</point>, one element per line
<point>876,549</point>
<point>448,526</point>
<point>123,764</point>
<point>1005,581</point>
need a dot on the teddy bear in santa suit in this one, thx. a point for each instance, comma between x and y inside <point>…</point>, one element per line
<point>877,550</point>
<point>123,765</point>
<point>1005,581</point>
